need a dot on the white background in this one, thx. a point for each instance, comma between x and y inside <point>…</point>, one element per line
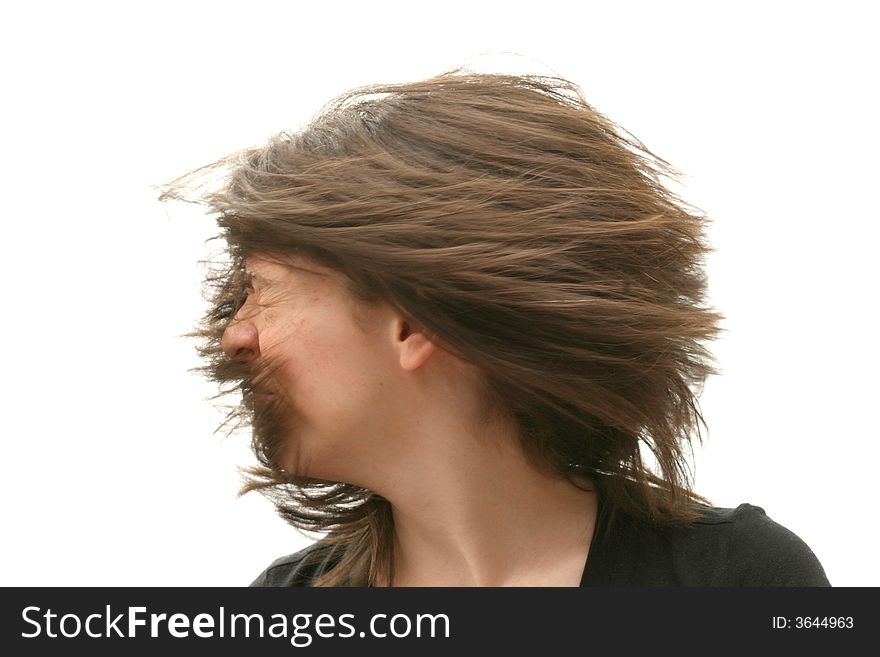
<point>110,472</point>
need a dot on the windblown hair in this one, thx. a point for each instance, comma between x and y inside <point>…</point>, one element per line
<point>534,236</point>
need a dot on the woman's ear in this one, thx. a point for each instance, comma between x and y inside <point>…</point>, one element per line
<point>413,344</point>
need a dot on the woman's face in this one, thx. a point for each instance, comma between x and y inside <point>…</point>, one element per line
<point>322,367</point>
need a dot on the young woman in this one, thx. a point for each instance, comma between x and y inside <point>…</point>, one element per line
<point>466,318</point>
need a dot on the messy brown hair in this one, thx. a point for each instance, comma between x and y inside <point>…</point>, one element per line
<point>539,240</point>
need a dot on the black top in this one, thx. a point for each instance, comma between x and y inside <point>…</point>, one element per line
<point>725,547</point>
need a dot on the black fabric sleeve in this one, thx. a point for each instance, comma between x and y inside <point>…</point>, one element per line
<point>260,581</point>
<point>764,553</point>
<point>300,568</point>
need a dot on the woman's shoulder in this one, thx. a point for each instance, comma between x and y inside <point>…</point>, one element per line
<point>299,568</point>
<point>750,549</point>
<point>723,547</point>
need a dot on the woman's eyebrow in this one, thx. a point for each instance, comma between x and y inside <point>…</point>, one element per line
<point>251,277</point>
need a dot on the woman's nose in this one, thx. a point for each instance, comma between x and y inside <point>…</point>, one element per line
<point>241,341</point>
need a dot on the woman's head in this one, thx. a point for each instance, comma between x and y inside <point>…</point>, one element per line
<point>533,238</point>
